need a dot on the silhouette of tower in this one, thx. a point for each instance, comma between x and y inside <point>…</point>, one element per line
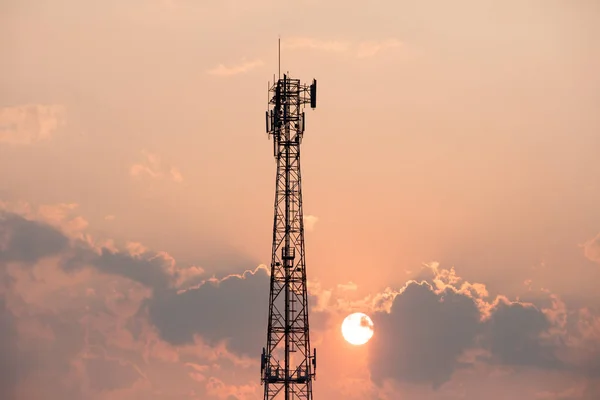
<point>287,365</point>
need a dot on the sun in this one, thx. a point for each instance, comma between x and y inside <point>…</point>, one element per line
<point>357,328</point>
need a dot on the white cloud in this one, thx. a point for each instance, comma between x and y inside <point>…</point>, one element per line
<point>591,249</point>
<point>152,167</point>
<point>361,49</point>
<point>350,286</point>
<point>244,66</point>
<point>370,49</point>
<point>309,222</point>
<point>311,43</point>
<point>27,124</point>
<point>176,174</point>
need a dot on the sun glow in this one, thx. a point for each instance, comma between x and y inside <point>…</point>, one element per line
<point>357,329</point>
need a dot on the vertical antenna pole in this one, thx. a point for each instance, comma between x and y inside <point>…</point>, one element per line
<point>279,58</point>
<point>287,366</point>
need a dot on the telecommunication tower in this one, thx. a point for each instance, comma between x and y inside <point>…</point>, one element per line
<point>287,365</point>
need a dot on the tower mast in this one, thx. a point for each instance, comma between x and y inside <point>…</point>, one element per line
<point>287,365</point>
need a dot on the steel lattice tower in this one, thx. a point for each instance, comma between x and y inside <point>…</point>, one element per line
<point>287,365</point>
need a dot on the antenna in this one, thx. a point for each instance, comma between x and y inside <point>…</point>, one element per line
<point>288,362</point>
<point>279,58</point>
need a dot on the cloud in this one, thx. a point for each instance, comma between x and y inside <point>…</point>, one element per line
<point>434,324</point>
<point>514,336</point>
<point>176,174</point>
<point>220,390</point>
<point>347,286</point>
<point>370,49</point>
<point>424,334</point>
<point>243,67</point>
<point>28,241</point>
<point>42,346</point>
<point>109,374</point>
<point>343,299</point>
<point>312,43</point>
<point>73,323</point>
<point>361,49</point>
<point>152,167</point>
<point>581,391</point>
<point>240,318</point>
<point>591,249</point>
<point>10,359</point>
<point>22,240</point>
<point>62,216</point>
<point>309,222</point>
<point>28,124</point>
<point>112,321</point>
<point>151,270</point>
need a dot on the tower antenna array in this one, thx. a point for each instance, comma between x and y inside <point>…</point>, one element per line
<point>287,364</point>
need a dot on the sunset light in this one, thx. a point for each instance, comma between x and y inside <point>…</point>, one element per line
<point>300,200</point>
<point>357,329</point>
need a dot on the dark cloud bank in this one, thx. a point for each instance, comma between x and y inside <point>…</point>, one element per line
<point>434,330</point>
<point>430,333</point>
<point>213,309</point>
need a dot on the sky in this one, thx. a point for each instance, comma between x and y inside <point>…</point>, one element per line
<point>450,177</point>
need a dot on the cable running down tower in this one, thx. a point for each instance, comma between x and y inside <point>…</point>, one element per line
<point>287,363</point>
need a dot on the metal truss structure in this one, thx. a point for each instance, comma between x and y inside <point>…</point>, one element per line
<point>287,364</point>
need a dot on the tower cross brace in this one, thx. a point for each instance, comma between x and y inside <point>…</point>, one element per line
<point>287,364</point>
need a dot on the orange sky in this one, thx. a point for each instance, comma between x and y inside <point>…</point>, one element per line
<point>453,134</point>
